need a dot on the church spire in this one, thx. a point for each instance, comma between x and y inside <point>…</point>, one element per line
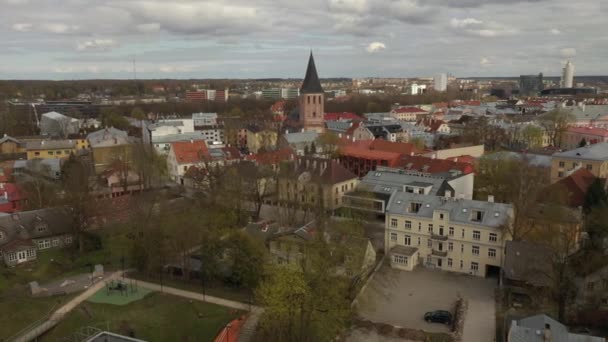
<point>311,84</point>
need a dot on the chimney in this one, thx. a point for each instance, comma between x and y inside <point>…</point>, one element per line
<point>6,196</point>
<point>491,198</point>
<point>412,154</point>
<point>192,141</point>
<point>434,156</point>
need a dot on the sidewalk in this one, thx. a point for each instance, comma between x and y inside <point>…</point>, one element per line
<point>58,315</point>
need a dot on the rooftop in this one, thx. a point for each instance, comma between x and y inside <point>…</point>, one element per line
<point>190,152</point>
<point>50,145</point>
<point>597,151</point>
<point>311,84</point>
<point>460,210</point>
<point>601,132</point>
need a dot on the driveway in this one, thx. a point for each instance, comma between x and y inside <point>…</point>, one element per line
<point>401,298</point>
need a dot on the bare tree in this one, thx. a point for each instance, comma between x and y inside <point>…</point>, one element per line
<point>555,124</point>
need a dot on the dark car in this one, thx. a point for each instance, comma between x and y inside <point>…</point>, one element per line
<point>438,316</point>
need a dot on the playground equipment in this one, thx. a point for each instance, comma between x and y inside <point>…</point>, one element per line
<point>122,287</point>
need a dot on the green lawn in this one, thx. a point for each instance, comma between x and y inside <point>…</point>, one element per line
<point>157,317</point>
<point>216,290</point>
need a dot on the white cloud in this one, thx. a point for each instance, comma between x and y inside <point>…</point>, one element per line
<point>148,28</point>
<point>22,27</point>
<point>59,28</point>
<point>484,61</point>
<point>555,31</point>
<point>375,47</point>
<point>464,23</point>
<point>567,52</point>
<point>96,44</point>
<point>479,28</point>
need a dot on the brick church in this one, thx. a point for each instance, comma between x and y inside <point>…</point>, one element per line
<point>312,100</point>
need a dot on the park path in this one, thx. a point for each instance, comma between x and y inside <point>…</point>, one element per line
<point>247,330</point>
<point>39,328</point>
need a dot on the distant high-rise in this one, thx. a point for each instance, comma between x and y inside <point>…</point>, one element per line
<point>568,75</point>
<point>440,82</point>
<point>312,99</point>
<point>530,85</point>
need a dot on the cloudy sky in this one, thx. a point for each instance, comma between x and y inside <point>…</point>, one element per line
<point>74,39</point>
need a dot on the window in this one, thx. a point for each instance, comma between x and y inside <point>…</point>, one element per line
<point>408,225</point>
<point>449,262</point>
<point>430,228</point>
<point>31,253</point>
<point>441,216</point>
<point>589,167</point>
<point>419,226</point>
<point>476,235</point>
<point>58,153</point>
<point>493,237</point>
<point>400,259</point>
<point>418,241</point>
<point>461,248</point>
<point>492,253</point>
<point>44,244</point>
<point>477,216</point>
<point>429,243</point>
<point>394,223</point>
<point>475,250</point>
<point>407,240</point>
<point>462,235</point>
<point>50,153</point>
<point>12,257</point>
<point>415,207</point>
<point>41,227</point>
<point>36,153</point>
<point>605,284</point>
<point>68,239</point>
<point>590,286</point>
<point>1,235</point>
<point>562,164</point>
<point>393,236</point>
<point>461,264</point>
<point>450,246</point>
<point>474,267</point>
<point>560,174</point>
<point>55,242</point>
<point>451,231</point>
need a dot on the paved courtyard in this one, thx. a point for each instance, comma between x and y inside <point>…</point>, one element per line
<point>401,298</point>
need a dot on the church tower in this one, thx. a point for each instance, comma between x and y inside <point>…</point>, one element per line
<point>312,100</point>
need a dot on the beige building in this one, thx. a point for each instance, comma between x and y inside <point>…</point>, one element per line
<point>447,233</point>
<point>259,138</point>
<point>311,182</point>
<point>594,158</point>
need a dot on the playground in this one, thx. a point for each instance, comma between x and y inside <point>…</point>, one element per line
<point>119,292</point>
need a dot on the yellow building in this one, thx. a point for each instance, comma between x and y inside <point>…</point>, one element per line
<point>50,149</point>
<point>109,145</point>
<point>451,234</point>
<point>594,158</point>
<point>10,145</point>
<point>259,138</point>
<point>312,182</point>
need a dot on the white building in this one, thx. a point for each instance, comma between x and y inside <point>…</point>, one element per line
<point>567,75</point>
<point>440,82</point>
<point>58,125</point>
<point>416,88</point>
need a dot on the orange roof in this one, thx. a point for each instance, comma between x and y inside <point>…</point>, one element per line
<point>273,157</point>
<point>190,152</point>
<point>359,152</point>
<point>397,147</point>
<point>577,185</point>
<point>602,132</point>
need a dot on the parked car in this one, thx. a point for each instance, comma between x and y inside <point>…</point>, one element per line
<point>438,316</point>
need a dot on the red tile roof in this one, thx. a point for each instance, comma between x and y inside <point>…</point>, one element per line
<point>577,185</point>
<point>190,152</point>
<point>430,165</point>
<point>408,110</point>
<point>463,159</point>
<point>364,153</point>
<point>273,157</point>
<point>398,147</point>
<point>342,116</point>
<point>602,132</point>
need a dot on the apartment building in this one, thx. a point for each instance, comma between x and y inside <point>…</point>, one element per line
<point>594,158</point>
<point>447,233</point>
<point>48,149</point>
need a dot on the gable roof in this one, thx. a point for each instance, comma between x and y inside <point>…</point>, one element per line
<point>50,145</point>
<point>190,152</point>
<point>531,329</point>
<point>577,185</point>
<point>7,138</point>
<point>273,157</point>
<point>23,225</point>
<point>322,171</point>
<point>527,262</point>
<point>311,84</point>
<point>590,152</point>
<point>108,137</point>
<point>430,165</point>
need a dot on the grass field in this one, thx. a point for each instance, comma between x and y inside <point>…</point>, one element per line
<point>156,317</point>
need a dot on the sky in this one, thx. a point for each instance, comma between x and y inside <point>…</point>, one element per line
<point>83,39</point>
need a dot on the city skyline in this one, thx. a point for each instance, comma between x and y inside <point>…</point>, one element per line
<point>84,39</point>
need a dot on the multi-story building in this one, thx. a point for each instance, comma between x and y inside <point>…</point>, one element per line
<point>314,182</point>
<point>447,233</point>
<point>407,113</point>
<point>440,82</point>
<point>200,95</point>
<point>530,85</point>
<point>46,149</point>
<point>259,138</point>
<point>594,158</point>
<point>567,75</point>
<point>312,100</point>
<point>573,136</point>
<point>109,145</point>
<point>185,154</point>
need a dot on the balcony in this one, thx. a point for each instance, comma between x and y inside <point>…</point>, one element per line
<point>439,253</point>
<point>439,237</point>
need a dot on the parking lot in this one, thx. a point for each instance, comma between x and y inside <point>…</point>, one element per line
<point>401,298</point>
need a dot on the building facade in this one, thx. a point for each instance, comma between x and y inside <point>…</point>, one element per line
<point>594,158</point>
<point>447,233</point>
<point>50,149</point>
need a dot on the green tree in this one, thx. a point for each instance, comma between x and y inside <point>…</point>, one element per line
<point>76,196</point>
<point>596,225</point>
<point>596,195</point>
<point>247,258</point>
<point>138,113</point>
<point>110,117</point>
<point>532,136</point>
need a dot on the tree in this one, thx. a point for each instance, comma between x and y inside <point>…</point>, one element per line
<point>596,225</point>
<point>532,136</point>
<point>512,180</point>
<point>76,196</point>
<point>596,196</point>
<point>246,257</point>
<point>582,143</point>
<point>313,148</point>
<point>555,124</point>
<point>418,142</point>
<point>138,113</point>
<point>328,142</point>
<point>306,150</point>
<point>110,117</point>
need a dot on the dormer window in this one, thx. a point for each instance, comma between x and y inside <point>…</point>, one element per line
<point>41,227</point>
<point>415,207</point>
<point>1,235</point>
<point>477,216</point>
